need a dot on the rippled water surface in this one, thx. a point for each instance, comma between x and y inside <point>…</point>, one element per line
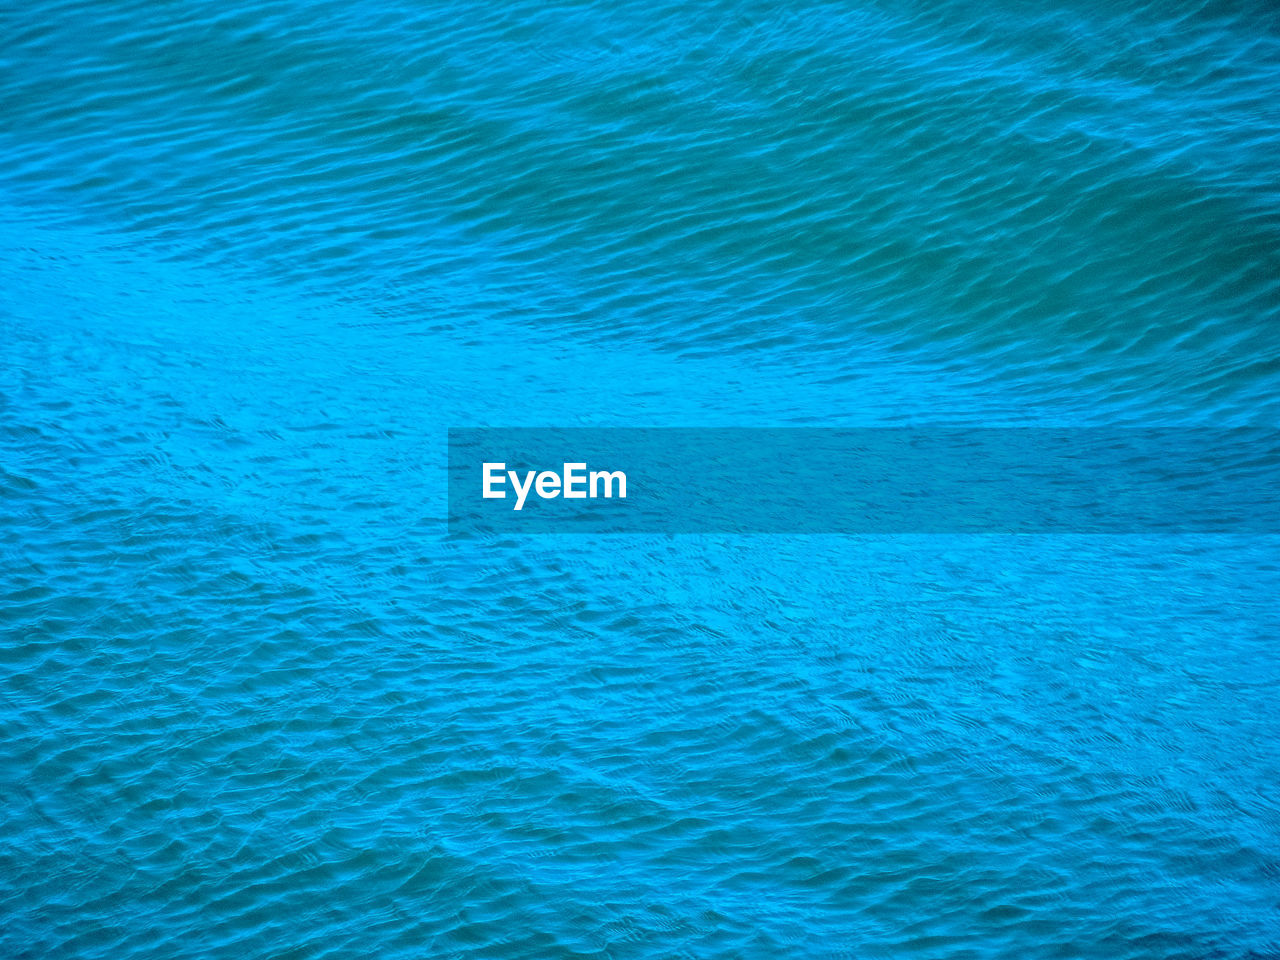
<point>256,258</point>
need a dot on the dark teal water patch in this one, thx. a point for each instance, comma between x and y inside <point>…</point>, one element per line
<point>256,260</point>
<point>1092,192</point>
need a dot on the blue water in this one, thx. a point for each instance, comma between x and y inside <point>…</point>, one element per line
<point>255,260</point>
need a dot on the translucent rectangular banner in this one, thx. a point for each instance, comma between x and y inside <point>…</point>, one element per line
<point>864,480</point>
